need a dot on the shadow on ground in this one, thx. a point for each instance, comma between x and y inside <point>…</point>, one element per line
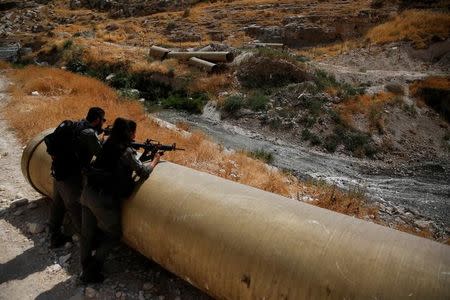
<point>128,273</point>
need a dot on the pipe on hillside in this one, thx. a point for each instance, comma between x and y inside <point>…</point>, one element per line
<point>203,64</point>
<point>237,242</point>
<point>158,52</point>
<point>205,55</point>
<point>269,45</point>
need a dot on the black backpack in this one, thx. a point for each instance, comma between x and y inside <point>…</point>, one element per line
<point>61,145</point>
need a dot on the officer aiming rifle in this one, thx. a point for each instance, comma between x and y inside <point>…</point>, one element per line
<point>152,147</point>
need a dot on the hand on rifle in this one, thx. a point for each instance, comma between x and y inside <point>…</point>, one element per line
<point>155,160</point>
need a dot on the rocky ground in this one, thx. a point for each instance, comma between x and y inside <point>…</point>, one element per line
<point>30,270</point>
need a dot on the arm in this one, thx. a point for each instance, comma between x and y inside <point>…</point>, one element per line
<point>141,169</point>
<point>89,142</point>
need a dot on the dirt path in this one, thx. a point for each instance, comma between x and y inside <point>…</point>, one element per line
<point>29,270</point>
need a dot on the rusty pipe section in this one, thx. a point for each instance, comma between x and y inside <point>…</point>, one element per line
<point>158,52</point>
<point>237,242</point>
<point>203,64</point>
<point>220,56</point>
<point>212,56</point>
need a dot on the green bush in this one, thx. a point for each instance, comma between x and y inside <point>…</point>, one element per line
<point>263,155</point>
<point>257,102</point>
<point>324,80</point>
<point>331,142</point>
<point>192,104</point>
<point>232,104</point>
<point>314,139</point>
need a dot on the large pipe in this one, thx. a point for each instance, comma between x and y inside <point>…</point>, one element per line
<point>205,55</point>
<point>237,242</point>
<point>203,64</point>
<point>158,52</point>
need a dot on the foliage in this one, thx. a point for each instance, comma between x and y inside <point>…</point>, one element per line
<point>326,81</point>
<point>263,155</point>
<point>232,104</point>
<point>257,101</point>
<point>193,103</point>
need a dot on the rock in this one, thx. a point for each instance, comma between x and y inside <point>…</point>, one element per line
<point>422,224</point>
<point>90,292</point>
<point>141,295</point>
<point>19,202</point>
<point>32,205</point>
<point>63,259</point>
<point>147,286</point>
<point>110,76</point>
<point>395,88</point>
<point>112,27</point>
<point>19,212</point>
<point>54,268</point>
<point>35,228</point>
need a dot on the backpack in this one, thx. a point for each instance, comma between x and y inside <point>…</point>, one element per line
<point>62,148</point>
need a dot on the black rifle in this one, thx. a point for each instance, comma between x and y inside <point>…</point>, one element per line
<point>151,147</point>
<point>106,131</point>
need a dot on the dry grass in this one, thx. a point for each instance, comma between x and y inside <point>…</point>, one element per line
<point>369,106</point>
<point>210,84</point>
<point>430,82</point>
<point>64,95</point>
<point>4,65</point>
<point>418,26</point>
<point>332,50</point>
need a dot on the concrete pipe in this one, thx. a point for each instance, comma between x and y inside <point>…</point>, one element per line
<point>158,52</point>
<point>237,242</point>
<point>269,45</point>
<point>203,64</point>
<point>205,55</point>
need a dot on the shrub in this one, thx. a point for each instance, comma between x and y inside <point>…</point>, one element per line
<point>232,104</point>
<point>326,81</point>
<point>331,142</point>
<point>192,104</point>
<point>263,155</point>
<point>257,102</point>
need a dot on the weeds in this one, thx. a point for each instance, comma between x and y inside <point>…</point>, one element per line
<point>326,81</point>
<point>193,103</point>
<point>262,155</point>
<point>257,102</point>
<point>314,139</point>
<point>232,104</point>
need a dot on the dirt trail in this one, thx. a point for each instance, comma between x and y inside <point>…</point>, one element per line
<point>29,270</point>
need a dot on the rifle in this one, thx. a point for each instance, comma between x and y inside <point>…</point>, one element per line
<point>151,147</point>
<point>106,131</point>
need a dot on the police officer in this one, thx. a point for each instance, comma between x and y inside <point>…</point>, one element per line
<point>67,172</point>
<point>109,183</point>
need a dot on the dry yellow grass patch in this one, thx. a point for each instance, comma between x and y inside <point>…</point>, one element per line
<point>430,82</point>
<point>4,65</point>
<point>330,50</point>
<point>418,26</point>
<point>210,83</point>
<point>368,105</point>
<point>64,95</point>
